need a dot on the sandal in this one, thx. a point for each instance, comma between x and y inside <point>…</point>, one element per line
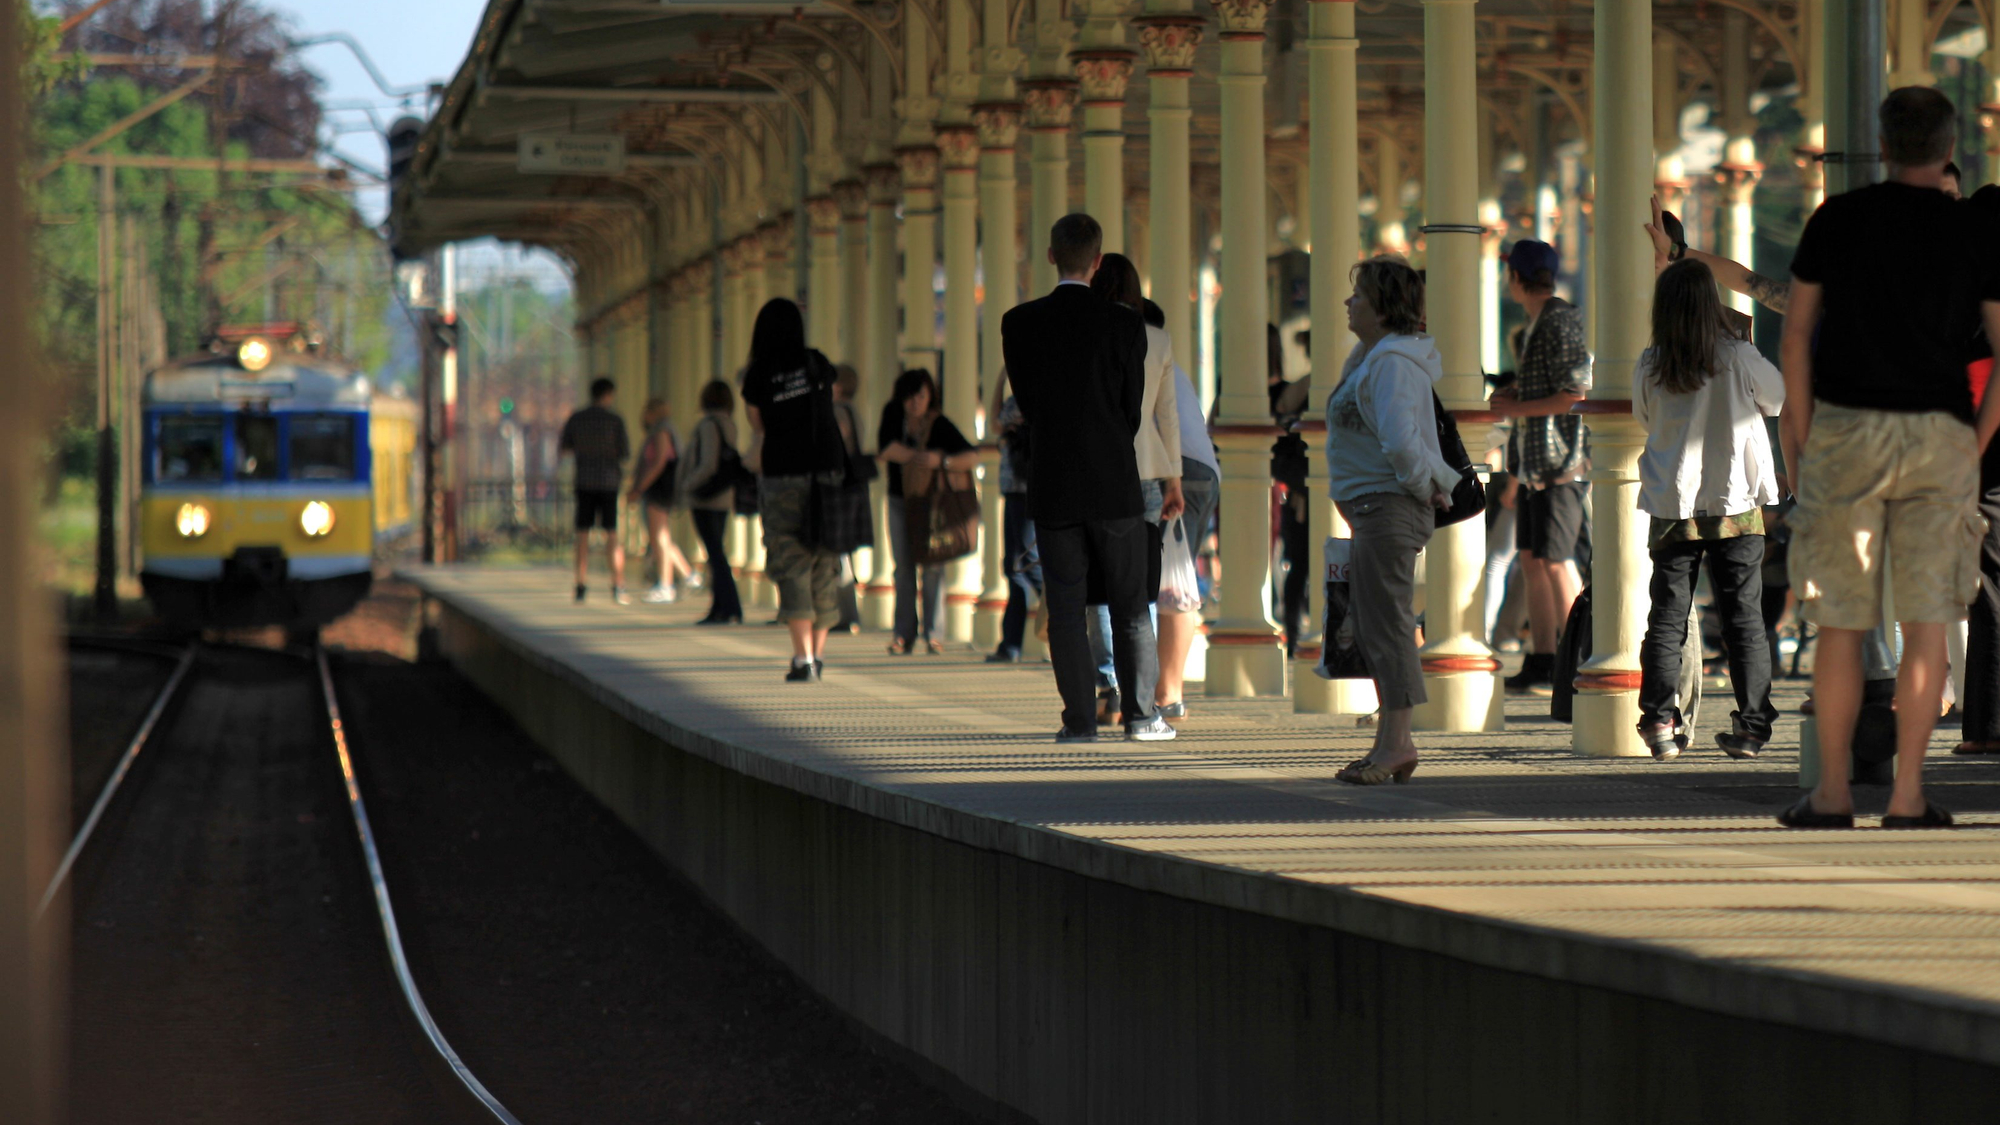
<point>1933,816</point>
<point>936,647</point>
<point>1365,772</point>
<point>1803,815</point>
<point>899,647</point>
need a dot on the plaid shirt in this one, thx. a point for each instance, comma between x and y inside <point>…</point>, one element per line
<point>1549,449</point>
<point>597,436</point>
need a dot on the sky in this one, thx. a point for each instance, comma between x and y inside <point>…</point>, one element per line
<point>413,43</point>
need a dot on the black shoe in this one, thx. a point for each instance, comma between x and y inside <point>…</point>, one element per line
<point>1538,671</point>
<point>1803,815</point>
<point>1739,745</point>
<point>807,673</point>
<point>1933,816</point>
<point>819,669</point>
<point>713,620</point>
<point>1004,656</point>
<point>1068,735</point>
<point>579,594</point>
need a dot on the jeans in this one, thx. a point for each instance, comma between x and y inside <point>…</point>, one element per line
<point>1982,643</point>
<point>710,523</point>
<point>906,583</point>
<point>1023,569</point>
<point>1098,620</point>
<point>1500,552</point>
<point>1736,573</point>
<point>1116,549</point>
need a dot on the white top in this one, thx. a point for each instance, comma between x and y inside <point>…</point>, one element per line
<point>1195,444</point>
<point>1381,429</point>
<point>1158,442</point>
<point>1709,453</point>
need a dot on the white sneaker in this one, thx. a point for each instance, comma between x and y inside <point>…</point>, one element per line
<point>1154,729</point>
<point>660,594</point>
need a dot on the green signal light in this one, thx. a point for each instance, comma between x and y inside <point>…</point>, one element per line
<point>506,406</point>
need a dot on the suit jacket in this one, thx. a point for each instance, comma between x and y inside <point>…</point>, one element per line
<point>1078,367</point>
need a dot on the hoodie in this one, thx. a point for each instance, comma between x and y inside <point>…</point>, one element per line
<point>1381,430</point>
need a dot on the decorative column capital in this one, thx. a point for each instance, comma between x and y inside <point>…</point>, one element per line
<point>823,213</point>
<point>958,147</point>
<point>776,237</point>
<point>1048,103</point>
<point>884,183</point>
<point>701,275</point>
<point>919,167</point>
<point>1169,42</point>
<point>736,255</point>
<point>851,197</point>
<point>998,123</point>
<point>1739,180</point>
<point>1242,19</point>
<point>1102,72</point>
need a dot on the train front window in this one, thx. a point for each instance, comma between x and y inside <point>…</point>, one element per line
<point>188,448</point>
<point>322,447</point>
<point>256,447</point>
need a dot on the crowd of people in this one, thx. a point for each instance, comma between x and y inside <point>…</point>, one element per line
<point>1105,465</point>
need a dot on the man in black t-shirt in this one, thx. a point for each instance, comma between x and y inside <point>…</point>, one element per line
<point>1882,441</point>
<point>596,437</point>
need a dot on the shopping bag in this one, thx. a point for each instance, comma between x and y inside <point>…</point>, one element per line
<point>1339,655</point>
<point>1180,591</point>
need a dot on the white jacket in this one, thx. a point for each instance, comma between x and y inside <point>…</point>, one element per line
<point>1381,429</point>
<point>1158,442</point>
<point>1709,453</point>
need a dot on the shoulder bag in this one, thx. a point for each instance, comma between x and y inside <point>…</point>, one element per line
<point>1468,498</point>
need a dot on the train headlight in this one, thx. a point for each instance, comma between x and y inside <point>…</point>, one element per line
<point>191,521</point>
<point>317,519</point>
<point>254,354</point>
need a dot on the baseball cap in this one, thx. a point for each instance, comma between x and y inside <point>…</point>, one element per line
<point>1528,255</point>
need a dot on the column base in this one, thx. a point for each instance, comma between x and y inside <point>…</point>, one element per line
<point>1462,700</point>
<point>1314,696</point>
<point>958,614</point>
<point>986,619</point>
<point>1605,724</point>
<point>1242,667</point>
<point>878,608</point>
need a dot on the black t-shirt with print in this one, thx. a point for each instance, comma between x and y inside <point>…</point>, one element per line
<point>1903,271</point>
<point>796,406</point>
<point>945,437</point>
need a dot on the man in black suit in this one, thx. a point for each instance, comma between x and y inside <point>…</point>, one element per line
<point>1077,362</point>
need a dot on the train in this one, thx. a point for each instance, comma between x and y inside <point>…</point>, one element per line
<point>273,476</point>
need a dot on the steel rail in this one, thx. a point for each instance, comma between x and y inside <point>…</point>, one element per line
<point>117,778</point>
<point>490,1107</point>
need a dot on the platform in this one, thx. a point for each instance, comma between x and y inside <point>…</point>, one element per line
<point>1215,929</point>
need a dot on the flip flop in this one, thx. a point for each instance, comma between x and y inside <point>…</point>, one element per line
<point>1803,815</point>
<point>1933,816</point>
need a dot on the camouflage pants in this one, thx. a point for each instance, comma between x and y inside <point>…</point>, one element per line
<point>808,578</point>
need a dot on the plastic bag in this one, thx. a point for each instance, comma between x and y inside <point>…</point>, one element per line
<point>1339,656</point>
<point>1180,592</point>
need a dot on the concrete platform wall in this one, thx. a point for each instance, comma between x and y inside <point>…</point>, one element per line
<point>1070,997</point>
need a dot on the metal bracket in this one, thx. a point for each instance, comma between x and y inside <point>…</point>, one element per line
<point>1846,158</point>
<point>1452,228</point>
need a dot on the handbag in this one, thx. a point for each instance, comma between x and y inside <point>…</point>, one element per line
<point>837,512</point>
<point>1339,653</point>
<point>1468,498</point>
<point>942,518</point>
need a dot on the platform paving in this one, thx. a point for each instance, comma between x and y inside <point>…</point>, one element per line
<point>1676,871</point>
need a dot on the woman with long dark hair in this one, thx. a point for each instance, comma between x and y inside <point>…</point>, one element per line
<point>1702,393</point>
<point>788,390</point>
<point>917,441</point>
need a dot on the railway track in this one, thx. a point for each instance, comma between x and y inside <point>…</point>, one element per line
<point>223,960</point>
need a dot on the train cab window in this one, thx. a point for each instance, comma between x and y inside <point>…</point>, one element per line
<point>188,448</point>
<point>322,447</point>
<point>256,447</point>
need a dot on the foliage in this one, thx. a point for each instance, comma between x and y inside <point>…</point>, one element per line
<point>223,247</point>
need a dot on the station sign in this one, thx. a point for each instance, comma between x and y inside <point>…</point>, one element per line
<point>572,154</point>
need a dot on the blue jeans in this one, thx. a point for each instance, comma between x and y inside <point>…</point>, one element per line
<point>1022,566</point>
<point>906,624</point>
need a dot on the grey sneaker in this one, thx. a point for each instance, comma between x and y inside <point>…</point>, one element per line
<point>1738,745</point>
<point>1154,729</point>
<point>1665,742</point>
<point>1068,735</point>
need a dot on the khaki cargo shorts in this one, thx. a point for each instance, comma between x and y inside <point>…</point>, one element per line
<point>1876,476</point>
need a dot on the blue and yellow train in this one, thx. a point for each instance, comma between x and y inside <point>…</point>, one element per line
<point>272,472</point>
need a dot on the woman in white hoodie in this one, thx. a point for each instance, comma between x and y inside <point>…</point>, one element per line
<point>1389,479</point>
<point>1702,393</point>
